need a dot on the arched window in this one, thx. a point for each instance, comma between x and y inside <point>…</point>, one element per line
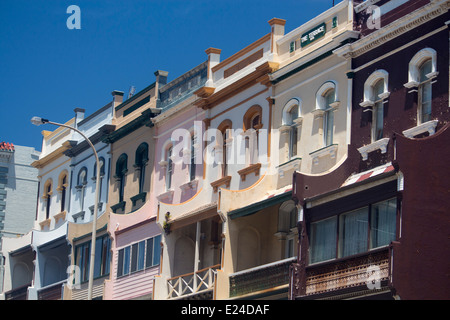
<point>192,166</point>
<point>81,185</point>
<point>424,112</point>
<point>47,196</point>
<point>169,168</point>
<point>422,71</point>
<point>121,170</point>
<point>375,91</point>
<point>326,102</point>
<point>291,120</point>
<point>252,124</point>
<point>140,163</point>
<point>102,174</point>
<point>224,129</point>
<point>62,188</point>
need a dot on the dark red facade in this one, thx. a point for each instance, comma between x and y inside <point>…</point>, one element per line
<point>417,261</point>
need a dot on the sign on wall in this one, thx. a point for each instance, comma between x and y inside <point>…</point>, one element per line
<point>313,34</point>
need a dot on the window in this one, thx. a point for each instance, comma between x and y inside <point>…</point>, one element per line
<point>378,111</point>
<point>328,119</point>
<point>140,164</point>
<point>169,168</point>
<point>102,173</point>
<point>224,129</point>
<point>63,192</point>
<point>121,170</point>
<point>102,258</point>
<point>192,166</point>
<point>326,104</point>
<point>252,124</point>
<point>81,185</point>
<point>422,72</point>
<point>424,111</point>
<point>353,232</point>
<point>139,256</point>
<point>47,196</point>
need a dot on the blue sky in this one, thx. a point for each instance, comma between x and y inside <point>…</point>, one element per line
<point>48,70</point>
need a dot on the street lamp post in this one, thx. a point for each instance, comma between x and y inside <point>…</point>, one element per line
<point>38,121</point>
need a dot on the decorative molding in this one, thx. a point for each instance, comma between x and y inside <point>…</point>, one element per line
<point>379,144</point>
<point>395,29</point>
<point>61,215</point>
<point>168,195</point>
<point>330,150</point>
<point>429,127</point>
<point>222,181</point>
<point>293,164</point>
<point>189,185</point>
<point>247,170</point>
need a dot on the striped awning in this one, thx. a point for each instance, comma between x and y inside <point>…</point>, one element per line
<point>358,177</point>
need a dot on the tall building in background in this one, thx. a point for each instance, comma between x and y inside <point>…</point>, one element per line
<point>18,193</point>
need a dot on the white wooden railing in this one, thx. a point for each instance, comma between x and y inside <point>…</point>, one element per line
<point>192,283</point>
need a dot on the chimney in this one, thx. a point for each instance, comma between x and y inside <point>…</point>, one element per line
<point>79,115</point>
<point>213,60</point>
<point>117,97</point>
<point>277,31</point>
<point>161,77</point>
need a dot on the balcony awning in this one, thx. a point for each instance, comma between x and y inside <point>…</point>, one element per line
<point>253,208</point>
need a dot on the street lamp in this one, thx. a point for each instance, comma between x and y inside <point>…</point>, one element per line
<point>38,121</point>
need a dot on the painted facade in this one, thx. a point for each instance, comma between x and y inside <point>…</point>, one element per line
<point>298,168</point>
<point>178,182</point>
<point>18,180</point>
<point>81,204</point>
<point>135,237</point>
<point>367,219</point>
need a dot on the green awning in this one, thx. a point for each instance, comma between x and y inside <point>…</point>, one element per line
<point>255,207</point>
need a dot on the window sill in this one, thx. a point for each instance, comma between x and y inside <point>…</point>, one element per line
<point>379,144</point>
<point>429,127</point>
<point>293,164</point>
<point>120,205</point>
<point>189,185</point>
<point>222,181</point>
<point>330,150</point>
<point>61,215</point>
<point>251,168</point>
<point>45,223</point>
<point>141,196</point>
<point>165,196</point>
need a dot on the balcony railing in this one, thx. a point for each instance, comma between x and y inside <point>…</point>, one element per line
<point>52,292</point>
<point>192,283</point>
<point>362,272</point>
<point>260,278</point>
<point>19,293</point>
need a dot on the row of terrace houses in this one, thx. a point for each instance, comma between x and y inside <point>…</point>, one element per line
<point>308,165</point>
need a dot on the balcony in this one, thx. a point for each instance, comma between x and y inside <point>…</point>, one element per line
<point>198,284</point>
<point>19,293</point>
<point>349,277</point>
<point>260,278</point>
<point>52,292</point>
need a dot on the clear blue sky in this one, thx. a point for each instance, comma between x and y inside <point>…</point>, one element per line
<point>48,70</point>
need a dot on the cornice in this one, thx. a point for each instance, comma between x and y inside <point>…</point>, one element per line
<point>209,98</point>
<point>143,120</point>
<point>407,23</point>
<point>54,155</point>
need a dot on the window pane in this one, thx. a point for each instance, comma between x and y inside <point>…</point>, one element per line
<point>149,253</point>
<point>379,119</point>
<point>424,70</point>
<point>157,250</point>
<point>329,119</point>
<point>323,240</point>
<point>98,257</point>
<point>126,261</point>
<point>120,263</point>
<point>141,255</point>
<point>134,255</point>
<point>353,228</point>
<point>383,223</point>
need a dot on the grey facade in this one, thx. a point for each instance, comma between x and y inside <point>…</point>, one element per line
<point>18,192</point>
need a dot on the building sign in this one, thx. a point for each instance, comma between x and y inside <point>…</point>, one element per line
<point>313,34</point>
